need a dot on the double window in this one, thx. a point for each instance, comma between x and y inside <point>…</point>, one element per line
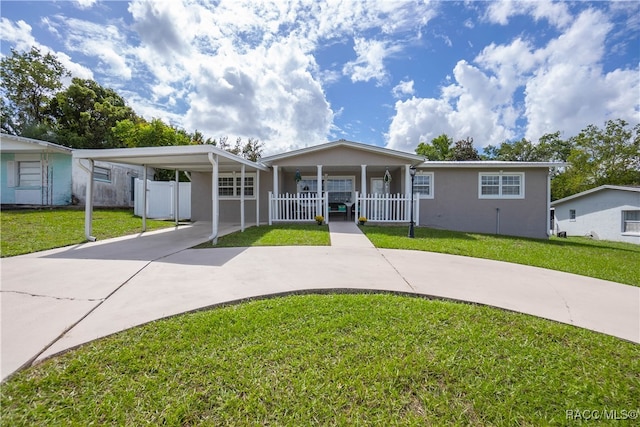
<point>423,185</point>
<point>631,222</point>
<point>230,185</point>
<point>499,185</point>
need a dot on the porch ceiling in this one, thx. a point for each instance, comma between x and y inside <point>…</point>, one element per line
<point>192,158</point>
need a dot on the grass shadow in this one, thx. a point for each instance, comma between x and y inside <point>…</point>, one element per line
<point>274,235</point>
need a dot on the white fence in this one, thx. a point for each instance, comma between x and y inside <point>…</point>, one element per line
<point>296,207</point>
<point>388,208</point>
<point>385,208</point>
<point>161,199</point>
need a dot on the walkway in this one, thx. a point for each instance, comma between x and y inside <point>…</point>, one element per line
<point>55,300</point>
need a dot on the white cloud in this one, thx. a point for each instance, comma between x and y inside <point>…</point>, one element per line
<point>556,13</point>
<point>563,84</point>
<point>19,35</point>
<point>369,63</point>
<point>403,88</point>
<point>85,4</point>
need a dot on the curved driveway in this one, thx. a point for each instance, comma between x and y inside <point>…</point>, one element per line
<point>58,299</point>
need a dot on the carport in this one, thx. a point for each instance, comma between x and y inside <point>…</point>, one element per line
<point>186,158</point>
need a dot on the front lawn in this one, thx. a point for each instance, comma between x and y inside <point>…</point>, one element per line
<point>333,360</point>
<point>274,235</point>
<point>26,231</point>
<point>615,261</point>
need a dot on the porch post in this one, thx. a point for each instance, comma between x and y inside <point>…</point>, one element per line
<point>363,188</point>
<point>276,193</point>
<point>213,159</point>
<point>242,171</point>
<point>407,180</point>
<point>275,181</point>
<point>144,198</point>
<point>88,204</point>
<point>319,193</point>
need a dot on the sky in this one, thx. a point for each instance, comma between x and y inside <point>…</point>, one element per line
<point>390,73</point>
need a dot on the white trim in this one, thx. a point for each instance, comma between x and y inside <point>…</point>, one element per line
<point>500,174</point>
<point>486,164</point>
<point>594,190</point>
<point>238,190</point>
<point>431,185</point>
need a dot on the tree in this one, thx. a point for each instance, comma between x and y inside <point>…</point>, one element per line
<point>601,156</point>
<point>464,150</point>
<point>438,149</point>
<point>85,114</point>
<point>252,150</point>
<point>28,81</point>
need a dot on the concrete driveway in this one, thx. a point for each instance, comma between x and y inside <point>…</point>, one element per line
<point>55,300</point>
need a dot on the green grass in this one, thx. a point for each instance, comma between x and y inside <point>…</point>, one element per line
<point>26,231</point>
<point>332,360</point>
<point>275,235</point>
<point>615,261</point>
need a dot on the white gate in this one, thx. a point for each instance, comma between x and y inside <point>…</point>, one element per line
<point>161,199</point>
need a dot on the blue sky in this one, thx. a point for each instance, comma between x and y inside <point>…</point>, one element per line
<point>388,72</point>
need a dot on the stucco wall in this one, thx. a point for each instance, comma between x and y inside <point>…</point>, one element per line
<point>456,205</point>
<point>599,213</point>
<point>229,208</point>
<point>116,193</point>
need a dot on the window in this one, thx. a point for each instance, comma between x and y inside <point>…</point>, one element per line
<point>101,174</point>
<point>498,185</point>
<point>339,189</point>
<point>423,185</point>
<point>230,185</point>
<point>572,214</point>
<point>29,174</point>
<point>631,222</point>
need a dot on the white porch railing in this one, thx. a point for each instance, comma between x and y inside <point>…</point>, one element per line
<point>387,208</point>
<point>296,207</point>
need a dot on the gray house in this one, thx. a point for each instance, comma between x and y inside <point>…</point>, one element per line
<point>343,180</point>
<point>608,212</point>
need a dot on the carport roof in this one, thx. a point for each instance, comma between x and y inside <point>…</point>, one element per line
<point>192,158</point>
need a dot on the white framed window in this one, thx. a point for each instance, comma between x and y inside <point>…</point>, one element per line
<point>29,174</point>
<point>631,222</point>
<point>501,185</point>
<point>101,174</point>
<point>572,214</point>
<point>423,185</point>
<point>230,185</point>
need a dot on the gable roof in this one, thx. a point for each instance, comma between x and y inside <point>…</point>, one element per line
<point>407,157</point>
<point>635,189</point>
<point>20,144</point>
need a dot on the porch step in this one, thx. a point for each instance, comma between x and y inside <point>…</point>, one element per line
<point>346,234</point>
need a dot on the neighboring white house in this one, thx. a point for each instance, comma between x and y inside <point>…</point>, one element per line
<point>608,212</point>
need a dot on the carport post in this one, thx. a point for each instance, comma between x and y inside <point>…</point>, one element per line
<point>176,199</point>
<point>144,198</point>
<point>88,204</point>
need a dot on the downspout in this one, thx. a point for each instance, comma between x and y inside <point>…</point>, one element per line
<point>548,215</point>
<point>497,220</point>
<point>214,198</point>
<point>88,204</point>
<point>242,185</point>
<point>257,191</point>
